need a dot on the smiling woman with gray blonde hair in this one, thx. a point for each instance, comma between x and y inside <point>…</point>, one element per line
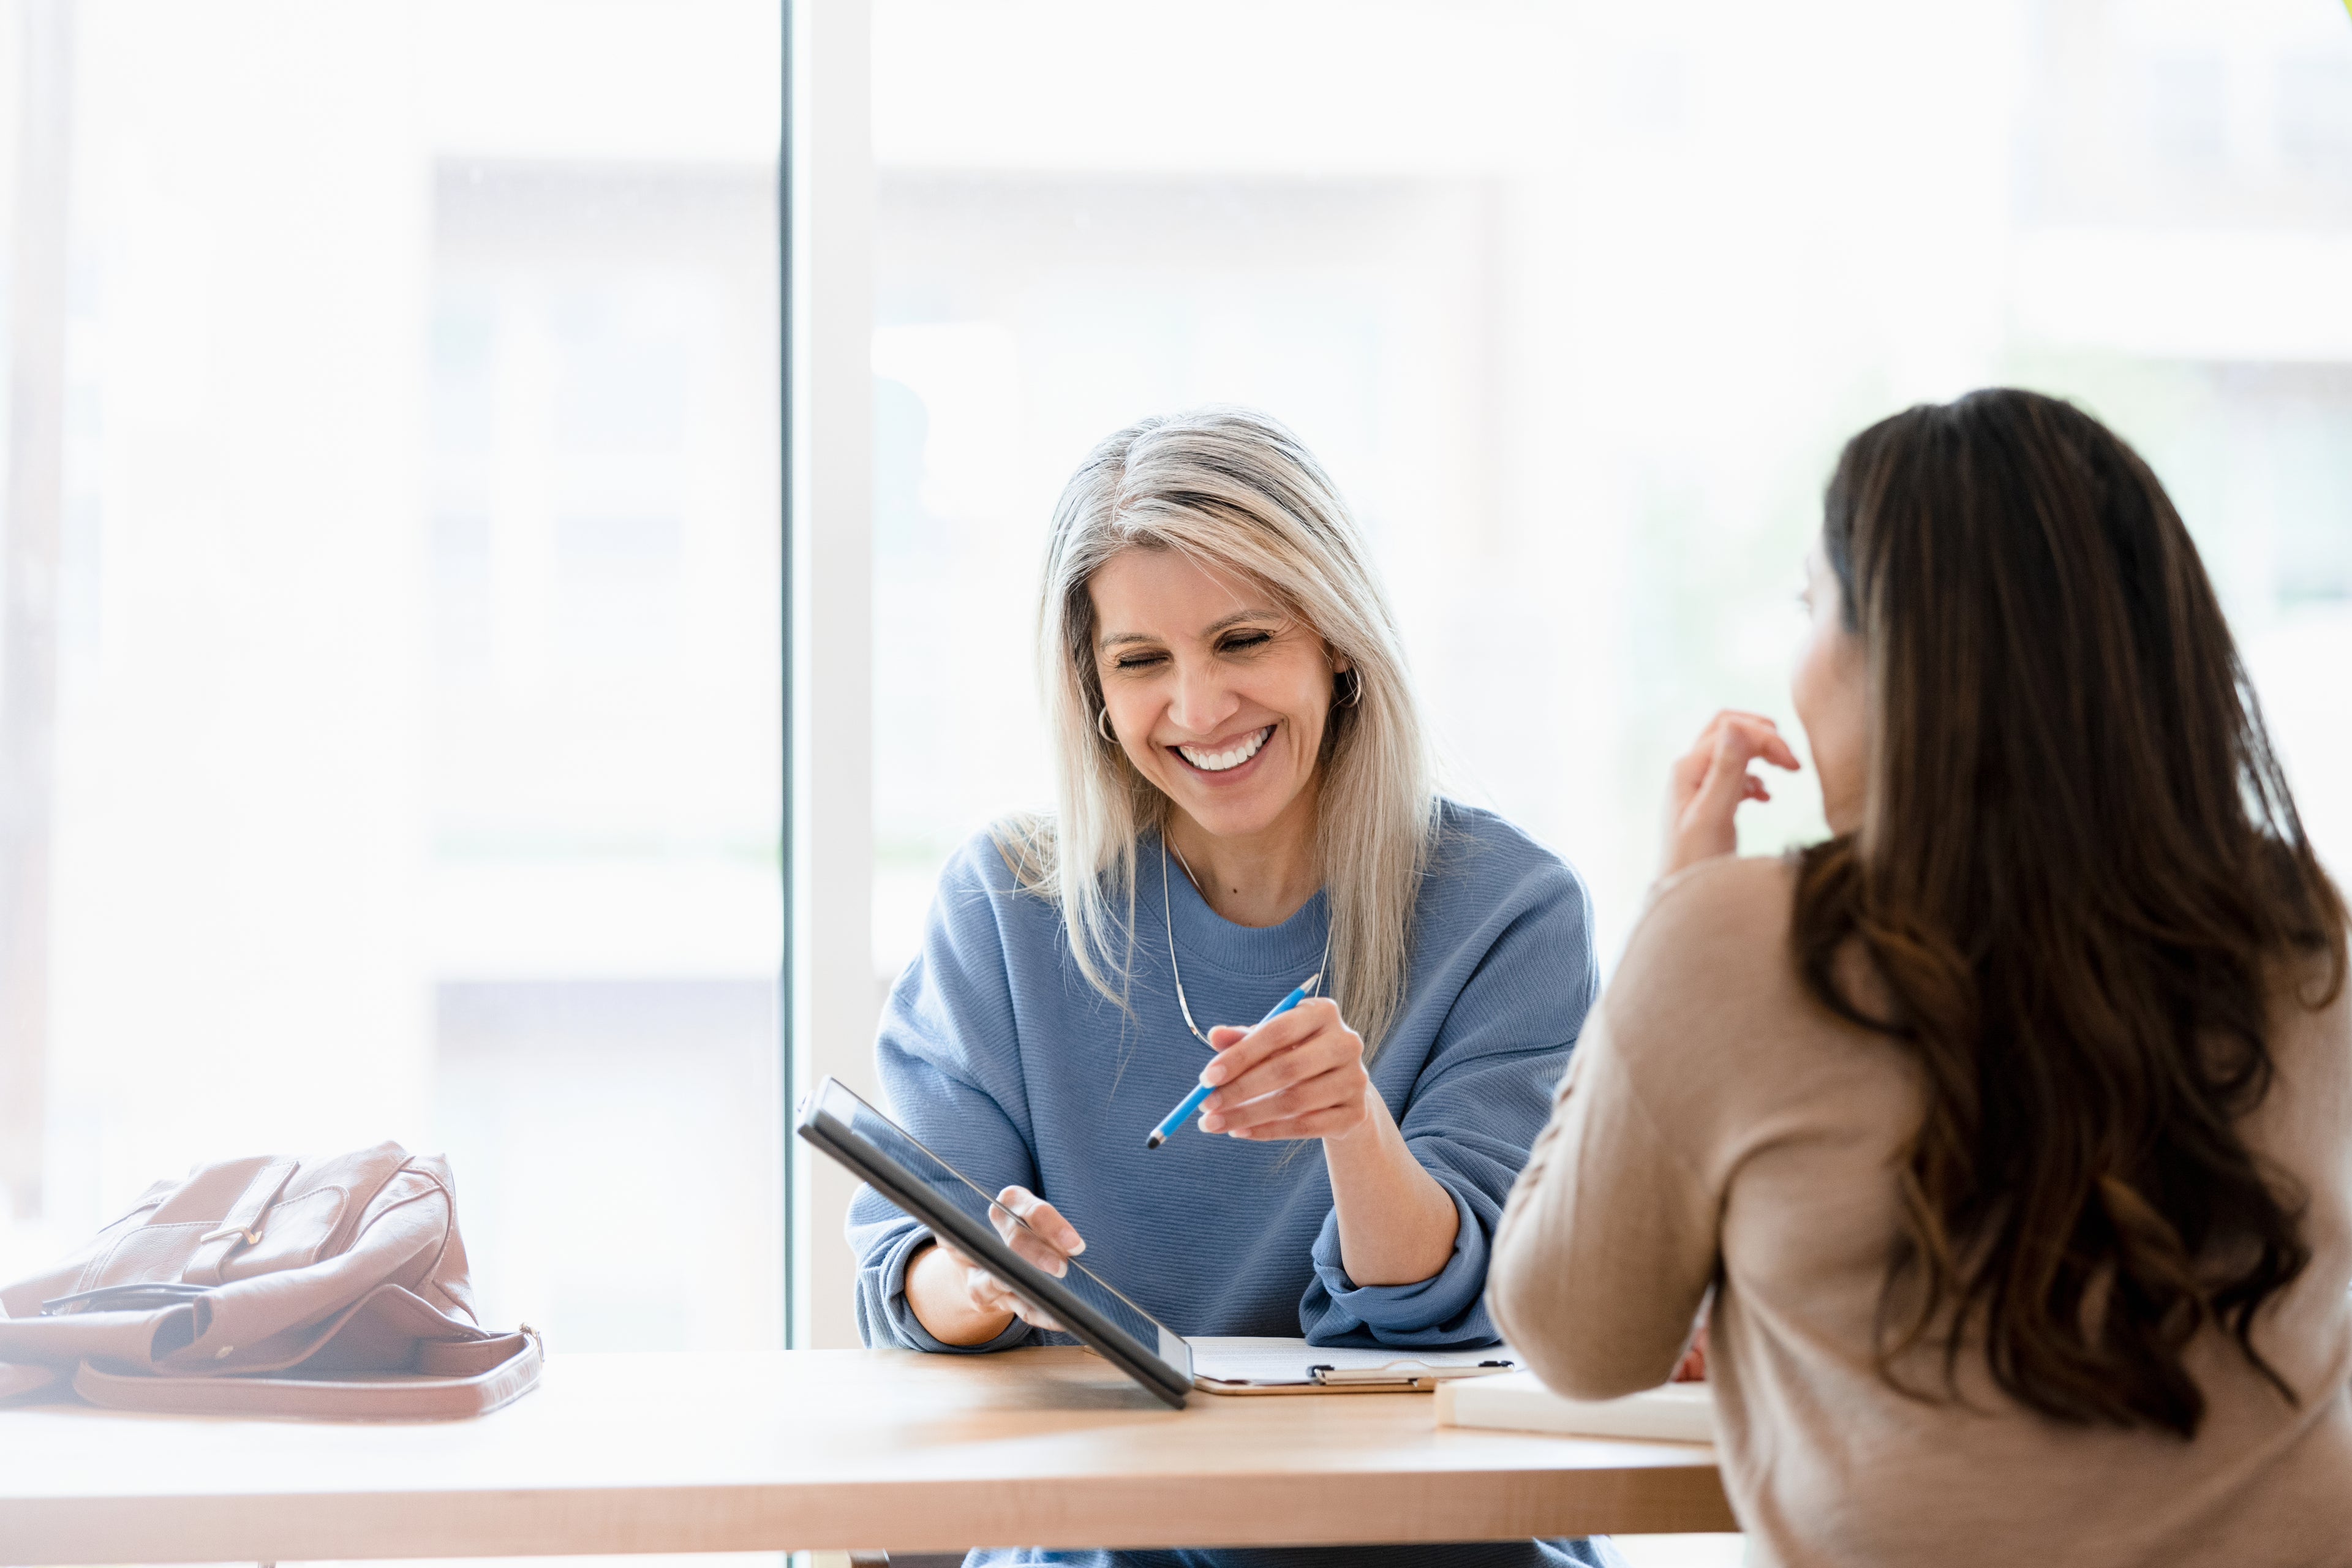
<point>1230,489</point>
<point>1245,806</point>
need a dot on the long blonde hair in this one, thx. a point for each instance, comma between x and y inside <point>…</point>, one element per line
<point>1233,489</point>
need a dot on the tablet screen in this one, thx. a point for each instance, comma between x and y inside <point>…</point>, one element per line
<point>903,1170</point>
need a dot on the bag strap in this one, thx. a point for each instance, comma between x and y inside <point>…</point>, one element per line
<point>241,1226</point>
<point>134,1295</point>
<point>490,1372</point>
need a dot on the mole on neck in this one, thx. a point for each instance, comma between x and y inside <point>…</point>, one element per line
<point>1256,879</point>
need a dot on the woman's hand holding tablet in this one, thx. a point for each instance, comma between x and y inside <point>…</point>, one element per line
<point>1023,1243</point>
<point>962,1304</point>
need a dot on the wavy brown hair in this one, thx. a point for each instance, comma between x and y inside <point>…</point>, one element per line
<point>2081,879</point>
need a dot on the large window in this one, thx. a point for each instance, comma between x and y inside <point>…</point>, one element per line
<point>390,684</point>
<point>1577,303</point>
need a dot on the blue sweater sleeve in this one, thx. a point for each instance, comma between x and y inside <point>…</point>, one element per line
<point>1473,1113</point>
<point>951,1075</point>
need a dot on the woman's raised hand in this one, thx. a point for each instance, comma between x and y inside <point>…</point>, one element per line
<point>1710,780</point>
<point>1300,1075</point>
<point>973,1297</point>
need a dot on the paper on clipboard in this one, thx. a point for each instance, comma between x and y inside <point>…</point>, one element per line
<point>1250,1364</point>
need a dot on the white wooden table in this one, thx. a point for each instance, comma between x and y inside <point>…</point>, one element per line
<point>819,1450</point>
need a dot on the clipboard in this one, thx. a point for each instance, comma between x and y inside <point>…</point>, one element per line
<point>1291,1366</point>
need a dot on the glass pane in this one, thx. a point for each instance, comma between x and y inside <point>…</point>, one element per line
<point>1577,303</point>
<point>391,661</point>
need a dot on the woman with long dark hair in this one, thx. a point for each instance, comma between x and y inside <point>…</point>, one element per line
<point>2010,1128</point>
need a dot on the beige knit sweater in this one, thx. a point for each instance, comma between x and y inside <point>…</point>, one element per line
<point>1720,1128</point>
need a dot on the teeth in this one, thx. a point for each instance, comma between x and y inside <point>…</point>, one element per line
<point>1218,761</point>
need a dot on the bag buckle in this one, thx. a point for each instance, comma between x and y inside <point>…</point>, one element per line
<point>252,1237</point>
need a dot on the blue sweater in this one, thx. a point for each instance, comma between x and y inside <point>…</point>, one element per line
<point>997,1054</point>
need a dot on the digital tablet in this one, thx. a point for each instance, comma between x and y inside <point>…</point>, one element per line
<point>895,1164</point>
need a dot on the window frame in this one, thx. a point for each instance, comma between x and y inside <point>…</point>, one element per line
<point>827,1000</point>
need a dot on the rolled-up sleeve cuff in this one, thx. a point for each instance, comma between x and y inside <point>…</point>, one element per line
<point>1425,1309</point>
<point>907,1328</point>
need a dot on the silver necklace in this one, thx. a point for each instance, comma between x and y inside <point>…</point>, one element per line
<point>1168,919</point>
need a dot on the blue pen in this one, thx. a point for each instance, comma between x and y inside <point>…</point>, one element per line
<point>1184,1113</point>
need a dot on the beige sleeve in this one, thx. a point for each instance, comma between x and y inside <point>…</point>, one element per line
<point>1609,1242</point>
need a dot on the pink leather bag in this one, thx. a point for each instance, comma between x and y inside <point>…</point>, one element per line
<point>271,1286</point>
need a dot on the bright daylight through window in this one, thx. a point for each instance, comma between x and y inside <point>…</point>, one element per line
<point>1578,302</point>
<point>392,624</point>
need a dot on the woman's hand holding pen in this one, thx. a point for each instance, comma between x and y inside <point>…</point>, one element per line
<point>963,1304</point>
<point>1301,1074</point>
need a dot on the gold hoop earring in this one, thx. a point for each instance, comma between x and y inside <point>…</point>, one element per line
<point>1102,725</point>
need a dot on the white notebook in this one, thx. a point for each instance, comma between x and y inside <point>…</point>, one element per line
<point>1236,1365</point>
<point>1517,1400</point>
